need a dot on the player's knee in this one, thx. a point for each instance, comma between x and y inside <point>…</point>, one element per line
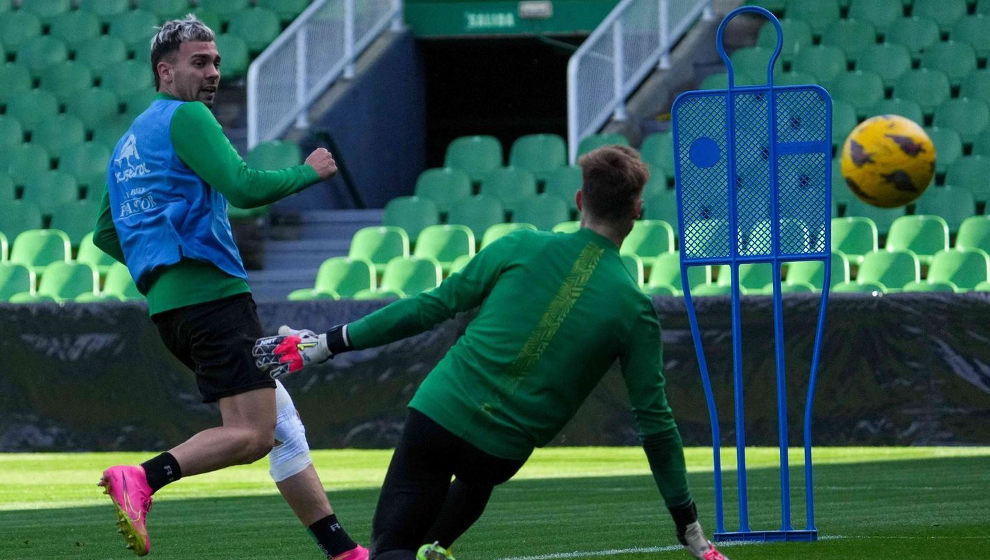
<point>257,445</point>
<point>290,455</point>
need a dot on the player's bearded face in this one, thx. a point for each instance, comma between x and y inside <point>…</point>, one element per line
<point>196,72</point>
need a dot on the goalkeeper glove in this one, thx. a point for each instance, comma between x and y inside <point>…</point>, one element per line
<point>292,350</point>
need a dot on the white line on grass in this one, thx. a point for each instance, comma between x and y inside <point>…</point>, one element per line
<point>618,551</point>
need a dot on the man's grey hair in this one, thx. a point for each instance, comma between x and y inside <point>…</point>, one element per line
<point>172,34</point>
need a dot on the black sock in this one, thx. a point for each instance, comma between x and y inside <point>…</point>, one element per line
<point>330,536</point>
<point>161,470</point>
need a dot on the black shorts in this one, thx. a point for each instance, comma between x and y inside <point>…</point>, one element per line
<point>214,340</point>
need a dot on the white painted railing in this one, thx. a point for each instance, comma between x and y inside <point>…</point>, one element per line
<point>633,40</point>
<point>318,48</point>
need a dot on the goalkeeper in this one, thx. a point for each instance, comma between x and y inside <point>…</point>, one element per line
<point>164,214</point>
<point>555,311</point>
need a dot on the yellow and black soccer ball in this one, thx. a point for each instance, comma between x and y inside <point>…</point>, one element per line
<point>888,161</point>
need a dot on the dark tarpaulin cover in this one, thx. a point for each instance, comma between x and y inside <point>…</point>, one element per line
<point>901,369</point>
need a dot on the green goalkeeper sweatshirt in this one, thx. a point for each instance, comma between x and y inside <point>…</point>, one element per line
<point>200,143</point>
<point>555,311</point>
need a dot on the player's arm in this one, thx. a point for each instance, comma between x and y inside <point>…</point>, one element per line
<point>200,143</point>
<point>105,234</point>
<point>642,368</point>
<point>293,350</point>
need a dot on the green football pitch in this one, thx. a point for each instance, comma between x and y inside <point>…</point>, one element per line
<point>872,503</point>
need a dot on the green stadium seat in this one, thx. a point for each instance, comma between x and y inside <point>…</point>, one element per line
<point>67,78</point>
<point>854,236</point>
<point>777,7</point>
<point>443,186</point>
<point>411,213</point>
<point>543,212</point>
<point>18,27</point>
<point>824,62</point>
<point>749,65</point>
<point>922,234</point>
<point>945,12</point>
<point>927,87</point>
<point>52,189</point>
<point>974,233</point>
<point>953,204</point>
<point>85,161</point>
<point>720,80</point>
<point>813,272</point>
<point>661,206</point>
<point>657,150</point>
<point>410,275</point>
<point>794,237</point>
<point>948,146</point>
<point>25,162</point>
<point>444,243</point>
<point>286,10</point>
<point>794,79</point>
<point>31,106</point>
<point>969,117</point>
<point>105,9</point>
<point>754,278</point>
<point>513,186</point>
<point>964,268</point>
<point>820,14</point>
<point>14,279</point>
<point>76,218</point>
<point>889,60</point>
<point>477,212</point>
<point>64,281</point>
<point>459,263</point>
<point>111,130</point>
<point>915,33</point>
<point>15,79</point>
<point>593,141</point>
<point>224,8</point>
<point>931,286</point>
<point>476,155</point>
<point>569,226</point>
<point>379,244</point>
<point>167,9</point>
<point>496,231</point>
<point>57,133</point>
<point>957,60</point>
<point>100,53</point>
<point>258,27</point>
<point>274,154</point>
<point>971,173</point>
<point>340,277</point>
<point>377,295</point>
<point>137,103</point>
<point>565,183</point>
<point>882,217</point>
<point>120,283</point>
<point>8,195</point>
<point>649,238</point>
<point>38,54</point>
<point>860,88</point>
<point>656,184</point>
<point>796,36</point>
<point>902,107</point>
<point>213,20</point>
<point>25,297</point>
<point>890,269</point>
<point>851,35</point>
<point>135,28</point>
<point>4,247</point>
<point>37,248</point>
<point>236,55</point>
<point>539,154</point>
<point>11,131</point>
<point>127,78</point>
<point>92,255</point>
<point>973,31</point>
<point>634,264</point>
<point>976,86</point>
<point>75,28</point>
<point>19,216</point>
<point>881,13</point>
<point>665,275</point>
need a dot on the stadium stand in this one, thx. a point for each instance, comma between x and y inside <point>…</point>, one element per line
<point>409,275</point>
<point>922,234</point>
<point>476,155</point>
<point>38,248</point>
<point>513,186</point>
<point>411,213</point>
<point>540,154</point>
<point>92,255</point>
<point>962,268</point>
<point>890,269</point>
<point>379,245</point>
<point>119,283</point>
<point>477,212</point>
<point>15,278</point>
<point>443,186</point>
<point>495,231</point>
<point>445,243</point>
<point>339,277</point>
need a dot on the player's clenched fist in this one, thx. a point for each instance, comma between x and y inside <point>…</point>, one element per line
<point>322,161</point>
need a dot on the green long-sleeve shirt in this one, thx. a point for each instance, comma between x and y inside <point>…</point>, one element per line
<point>555,312</point>
<point>200,143</point>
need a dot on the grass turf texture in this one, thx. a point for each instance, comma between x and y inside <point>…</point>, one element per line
<point>875,503</point>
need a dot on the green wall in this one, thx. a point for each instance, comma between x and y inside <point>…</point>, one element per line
<point>453,18</point>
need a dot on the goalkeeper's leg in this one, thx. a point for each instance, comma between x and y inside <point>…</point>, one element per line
<point>291,466</point>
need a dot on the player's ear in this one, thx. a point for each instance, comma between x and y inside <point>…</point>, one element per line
<point>164,70</point>
<point>577,201</point>
<point>638,208</point>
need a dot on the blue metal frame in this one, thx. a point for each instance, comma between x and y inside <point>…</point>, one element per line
<point>734,259</point>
